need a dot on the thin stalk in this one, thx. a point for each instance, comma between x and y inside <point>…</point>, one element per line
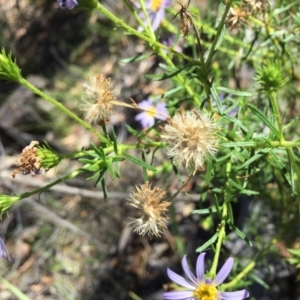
<point>276,112</point>
<point>48,186</point>
<point>222,232</point>
<point>140,35</point>
<point>215,41</point>
<point>63,108</point>
<point>242,274</point>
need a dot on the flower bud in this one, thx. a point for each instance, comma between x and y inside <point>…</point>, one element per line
<point>8,68</point>
<point>6,202</point>
<point>270,76</point>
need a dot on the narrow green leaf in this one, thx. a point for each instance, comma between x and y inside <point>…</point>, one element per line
<point>131,130</point>
<point>208,243</point>
<point>239,144</point>
<point>13,289</point>
<point>237,122</point>
<point>138,161</point>
<point>240,233</point>
<point>217,99</point>
<point>250,161</point>
<point>264,119</point>
<point>205,211</point>
<point>259,281</point>
<point>136,58</point>
<point>172,91</point>
<point>234,92</point>
<point>221,37</point>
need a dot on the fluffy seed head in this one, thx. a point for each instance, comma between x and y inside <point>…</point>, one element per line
<point>152,209</point>
<point>190,137</point>
<point>100,108</point>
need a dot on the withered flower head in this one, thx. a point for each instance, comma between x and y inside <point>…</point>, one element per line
<point>257,5</point>
<point>152,209</point>
<point>35,159</point>
<point>190,137</point>
<point>236,16</point>
<point>29,163</point>
<point>100,108</point>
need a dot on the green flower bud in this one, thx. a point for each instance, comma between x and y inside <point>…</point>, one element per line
<point>6,202</point>
<point>48,158</point>
<point>9,70</point>
<point>270,76</point>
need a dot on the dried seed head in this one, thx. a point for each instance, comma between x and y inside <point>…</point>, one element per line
<point>100,108</point>
<point>152,209</point>
<point>257,5</point>
<point>29,162</point>
<point>190,137</point>
<point>36,159</point>
<point>236,16</point>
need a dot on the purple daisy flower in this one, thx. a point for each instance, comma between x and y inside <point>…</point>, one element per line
<point>152,110</point>
<point>156,11</point>
<point>3,251</point>
<point>70,4</point>
<point>199,288</point>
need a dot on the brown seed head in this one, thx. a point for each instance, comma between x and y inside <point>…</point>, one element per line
<point>190,137</point>
<point>101,107</point>
<point>257,5</point>
<point>152,209</point>
<point>29,163</point>
<point>236,16</point>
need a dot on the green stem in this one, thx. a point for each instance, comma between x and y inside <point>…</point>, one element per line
<point>149,28</point>
<point>157,46</point>
<point>222,233</point>
<point>47,187</point>
<point>215,41</point>
<point>140,35</point>
<point>242,274</point>
<point>295,173</point>
<point>257,145</point>
<point>276,112</point>
<point>63,108</point>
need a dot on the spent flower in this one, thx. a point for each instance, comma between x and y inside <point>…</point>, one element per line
<point>190,138</point>
<point>3,251</point>
<point>237,16</point>
<point>201,287</point>
<point>35,160</point>
<point>100,108</point>
<point>151,110</point>
<point>258,5</point>
<point>152,219</point>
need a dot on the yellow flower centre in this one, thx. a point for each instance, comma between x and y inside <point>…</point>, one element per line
<point>206,292</point>
<point>151,111</point>
<point>155,5</point>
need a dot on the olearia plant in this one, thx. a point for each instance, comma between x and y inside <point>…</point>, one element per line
<point>231,138</point>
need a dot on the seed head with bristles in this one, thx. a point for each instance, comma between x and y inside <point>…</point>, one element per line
<point>257,5</point>
<point>100,108</point>
<point>236,16</point>
<point>152,209</point>
<point>190,138</point>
